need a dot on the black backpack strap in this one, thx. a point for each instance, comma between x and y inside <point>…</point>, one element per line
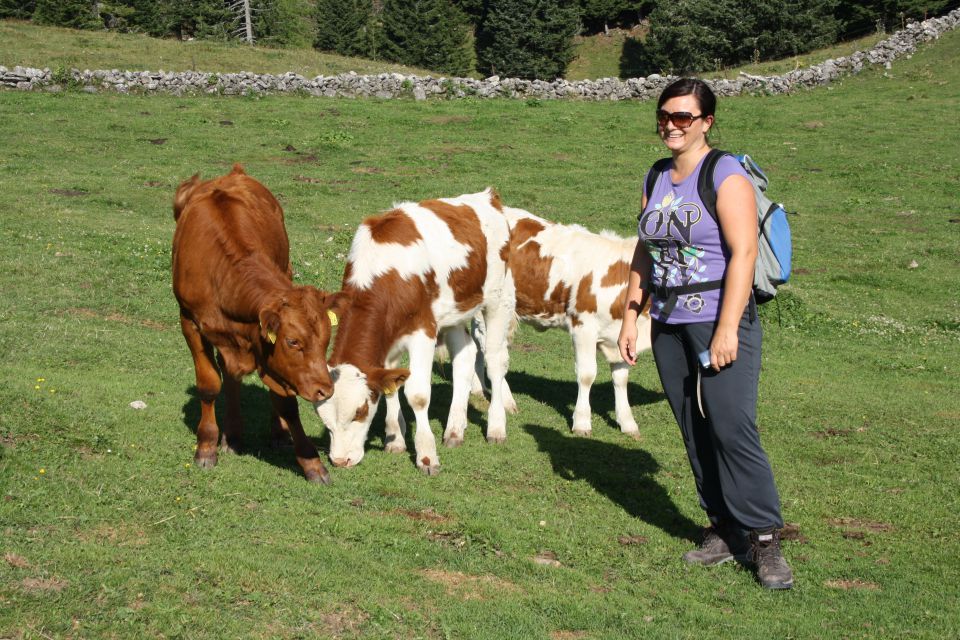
<point>705,188</point>
<point>670,295</point>
<point>658,167</point>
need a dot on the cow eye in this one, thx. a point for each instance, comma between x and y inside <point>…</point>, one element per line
<point>293,343</point>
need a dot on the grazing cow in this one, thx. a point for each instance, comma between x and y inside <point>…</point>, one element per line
<point>233,281</point>
<point>566,276</point>
<point>412,274</point>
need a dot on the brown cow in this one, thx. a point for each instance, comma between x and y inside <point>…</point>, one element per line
<point>233,281</point>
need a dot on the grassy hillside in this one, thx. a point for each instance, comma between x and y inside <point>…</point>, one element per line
<point>26,44</point>
<point>108,531</point>
<point>23,43</point>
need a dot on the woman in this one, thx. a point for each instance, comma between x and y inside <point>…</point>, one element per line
<point>706,337</point>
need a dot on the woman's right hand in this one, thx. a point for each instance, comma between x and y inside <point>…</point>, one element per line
<point>627,342</point>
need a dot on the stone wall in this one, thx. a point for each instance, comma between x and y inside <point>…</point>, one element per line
<point>395,85</point>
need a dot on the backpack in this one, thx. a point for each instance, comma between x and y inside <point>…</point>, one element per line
<point>774,244</point>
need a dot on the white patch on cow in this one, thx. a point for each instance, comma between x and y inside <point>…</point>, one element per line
<point>369,259</point>
<point>577,253</point>
<point>439,253</point>
<point>350,393</point>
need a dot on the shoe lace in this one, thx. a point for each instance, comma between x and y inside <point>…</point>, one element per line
<point>764,549</point>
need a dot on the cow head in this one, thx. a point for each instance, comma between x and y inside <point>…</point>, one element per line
<point>348,414</point>
<point>294,334</point>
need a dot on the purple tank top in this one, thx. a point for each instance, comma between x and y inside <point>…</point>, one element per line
<point>685,242</point>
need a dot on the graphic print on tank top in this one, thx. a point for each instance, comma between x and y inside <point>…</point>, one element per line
<point>667,229</point>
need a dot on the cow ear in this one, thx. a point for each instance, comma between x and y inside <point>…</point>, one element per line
<point>269,325</point>
<point>337,304</point>
<point>183,194</point>
<point>387,381</point>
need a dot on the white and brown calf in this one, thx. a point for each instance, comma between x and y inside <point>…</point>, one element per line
<point>412,274</point>
<point>566,276</point>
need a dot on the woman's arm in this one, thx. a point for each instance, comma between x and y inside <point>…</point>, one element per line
<point>636,298</point>
<point>737,215</point>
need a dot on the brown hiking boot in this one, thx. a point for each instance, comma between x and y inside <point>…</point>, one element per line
<point>715,548</point>
<point>772,569</point>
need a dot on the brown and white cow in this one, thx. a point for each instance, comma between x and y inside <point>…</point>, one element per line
<point>566,276</point>
<point>232,279</point>
<point>412,274</point>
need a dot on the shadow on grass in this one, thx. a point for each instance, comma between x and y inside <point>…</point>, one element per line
<point>561,395</point>
<point>257,439</point>
<point>625,476</point>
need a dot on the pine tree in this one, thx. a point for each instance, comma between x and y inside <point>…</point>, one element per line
<point>689,36</point>
<point>284,23</point>
<point>76,14</point>
<point>866,16</point>
<point>425,33</point>
<point>345,26</point>
<point>20,9</point>
<point>598,15</point>
<point>527,38</point>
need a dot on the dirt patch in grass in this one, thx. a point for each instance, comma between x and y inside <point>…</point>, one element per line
<point>855,524</point>
<point>527,347</point>
<point>451,539</point>
<point>847,585</point>
<point>568,635</point>
<point>791,532</point>
<point>428,514</point>
<point>117,317</point>
<point>366,170</point>
<point>469,587</point>
<point>346,620</point>
<point>117,536</point>
<point>43,585</point>
<point>15,560</point>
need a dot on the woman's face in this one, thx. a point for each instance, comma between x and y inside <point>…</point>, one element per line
<point>679,139</point>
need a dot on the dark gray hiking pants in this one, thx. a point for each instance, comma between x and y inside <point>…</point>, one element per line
<point>732,473</point>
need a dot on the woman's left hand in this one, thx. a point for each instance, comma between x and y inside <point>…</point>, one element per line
<point>723,348</point>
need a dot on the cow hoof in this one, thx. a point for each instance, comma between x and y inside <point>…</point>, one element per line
<point>584,433</point>
<point>511,408</point>
<point>318,477</point>
<point>205,462</point>
<point>428,468</point>
<point>496,439</point>
<point>395,447</point>
<point>632,433</point>
<point>453,441</point>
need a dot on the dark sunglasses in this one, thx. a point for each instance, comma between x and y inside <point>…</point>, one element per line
<point>680,119</point>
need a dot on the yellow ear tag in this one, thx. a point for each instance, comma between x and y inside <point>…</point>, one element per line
<point>333,318</point>
<point>272,337</point>
<point>389,391</point>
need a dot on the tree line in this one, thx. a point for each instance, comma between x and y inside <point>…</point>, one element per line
<point>511,38</point>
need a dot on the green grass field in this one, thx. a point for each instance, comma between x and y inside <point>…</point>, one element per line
<point>108,531</point>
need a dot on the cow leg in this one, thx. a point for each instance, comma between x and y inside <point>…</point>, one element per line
<point>585,363</point>
<point>478,332</point>
<point>231,437</point>
<point>620,372</point>
<point>463,354</point>
<point>394,424</point>
<point>285,410</point>
<point>208,388</point>
<point>497,319</point>
<point>417,392</point>
<point>478,384</point>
